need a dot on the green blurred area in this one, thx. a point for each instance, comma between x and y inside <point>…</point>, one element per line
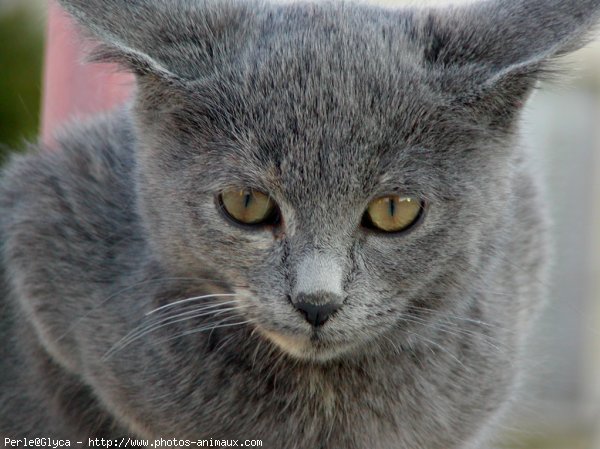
<point>21,59</point>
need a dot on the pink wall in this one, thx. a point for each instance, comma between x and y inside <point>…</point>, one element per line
<point>72,88</point>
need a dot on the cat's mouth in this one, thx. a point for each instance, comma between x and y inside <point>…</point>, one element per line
<point>314,347</point>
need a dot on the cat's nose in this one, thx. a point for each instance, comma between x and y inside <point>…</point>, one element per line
<point>317,308</point>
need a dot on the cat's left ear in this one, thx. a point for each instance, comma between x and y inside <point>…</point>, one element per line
<point>490,54</point>
<point>174,40</point>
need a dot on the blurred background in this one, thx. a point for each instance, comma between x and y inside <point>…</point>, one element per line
<point>560,403</point>
<point>22,27</point>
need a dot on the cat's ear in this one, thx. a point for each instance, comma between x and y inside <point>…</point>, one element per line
<point>491,53</point>
<point>182,39</point>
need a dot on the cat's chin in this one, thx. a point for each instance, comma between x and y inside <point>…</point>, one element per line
<point>305,348</point>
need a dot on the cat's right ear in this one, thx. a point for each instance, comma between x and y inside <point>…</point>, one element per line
<point>180,41</point>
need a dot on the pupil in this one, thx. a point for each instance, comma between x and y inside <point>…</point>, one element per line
<point>392,208</point>
<point>247,199</point>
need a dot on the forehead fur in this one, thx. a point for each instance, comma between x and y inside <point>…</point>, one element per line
<point>295,89</point>
<point>324,83</point>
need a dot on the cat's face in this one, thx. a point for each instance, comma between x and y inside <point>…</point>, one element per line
<point>325,135</point>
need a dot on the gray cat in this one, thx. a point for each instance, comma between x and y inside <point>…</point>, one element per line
<point>314,227</point>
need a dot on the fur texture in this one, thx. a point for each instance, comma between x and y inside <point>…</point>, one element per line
<point>324,106</point>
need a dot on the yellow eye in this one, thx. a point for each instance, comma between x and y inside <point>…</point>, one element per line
<point>248,206</point>
<point>393,213</point>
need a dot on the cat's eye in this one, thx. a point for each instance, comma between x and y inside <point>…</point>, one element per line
<point>393,214</point>
<point>248,207</point>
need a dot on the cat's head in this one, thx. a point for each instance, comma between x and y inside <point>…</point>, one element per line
<point>341,167</point>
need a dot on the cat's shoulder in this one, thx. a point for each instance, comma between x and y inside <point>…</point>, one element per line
<point>71,204</point>
<point>88,167</point>
<point>94,151</point>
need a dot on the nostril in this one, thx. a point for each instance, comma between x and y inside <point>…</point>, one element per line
<point>317,314</point>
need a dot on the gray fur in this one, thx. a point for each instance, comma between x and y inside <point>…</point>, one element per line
<point>325,106</point>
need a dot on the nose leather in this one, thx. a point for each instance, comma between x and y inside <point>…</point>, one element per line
<point>317,309</point>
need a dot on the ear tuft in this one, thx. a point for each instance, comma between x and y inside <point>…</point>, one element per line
<point>137,63</point>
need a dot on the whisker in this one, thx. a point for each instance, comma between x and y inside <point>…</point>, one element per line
<point>178,313</point>
<point>140,332</point>
<point>194,298</point>
<point>190,314</point>
<point>465,319</point>
<point>489,341</point>
<point>440,347</point>
<point>208,328</point>
<point>396,348</point>
<point>225,342</point>
<point>135,285</point>
<point>256,350</point>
